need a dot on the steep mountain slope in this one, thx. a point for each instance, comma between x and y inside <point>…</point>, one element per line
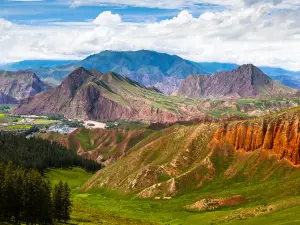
<point>92,95</point>
<point>103,146</point>
<point>6,99</point>
<point>182,159</point>
<point>245,81</point>
<point>21,84</point>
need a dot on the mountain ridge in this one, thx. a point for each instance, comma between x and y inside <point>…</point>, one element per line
<point>180,159</point>
<point>153,72</point>
<point>98,96</point>
<point>245,81</point>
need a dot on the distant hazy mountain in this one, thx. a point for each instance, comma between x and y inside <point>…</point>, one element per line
<point>29,64</point>
<point>146,67</point>
<point>213,67</point>
<point>21,84</point>
<point>150,68</point>
<point>245,81</point>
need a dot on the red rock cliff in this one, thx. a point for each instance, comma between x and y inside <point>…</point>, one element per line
<point>280,134</point>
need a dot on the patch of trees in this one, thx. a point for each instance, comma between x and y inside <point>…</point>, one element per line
<point>28,198</point>
<point>40,154</point>
<point>54,116</point>
<point>4,108</point>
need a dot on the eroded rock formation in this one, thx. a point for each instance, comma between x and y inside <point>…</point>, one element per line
<point>278,134</point>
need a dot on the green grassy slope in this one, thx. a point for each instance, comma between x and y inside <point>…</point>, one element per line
<point>106,207</point>
<point>107,144</point>
<point>84,213</point>
<point>179,163</point>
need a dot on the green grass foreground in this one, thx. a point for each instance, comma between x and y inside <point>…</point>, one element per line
<point>104,207</point>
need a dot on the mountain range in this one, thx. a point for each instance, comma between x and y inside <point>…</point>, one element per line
<point>90,94</point>
<point>161,70</point>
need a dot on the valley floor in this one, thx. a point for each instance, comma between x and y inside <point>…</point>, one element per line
<point>265,204</point>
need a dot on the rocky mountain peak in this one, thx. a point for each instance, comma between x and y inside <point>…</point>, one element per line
<point>245,81</point>
<point>21,84</point>
<point>76,79</point>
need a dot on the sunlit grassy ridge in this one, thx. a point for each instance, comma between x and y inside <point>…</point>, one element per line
<point>182,162</point>
<point>182,156</point>
<point>266,203</point>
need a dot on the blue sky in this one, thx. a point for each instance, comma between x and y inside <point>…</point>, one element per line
<point>262,32</point>
<point>43,11</point>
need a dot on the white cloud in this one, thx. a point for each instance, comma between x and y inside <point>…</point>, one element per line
<point>169,4</point>
<point>4,25</point>
<point>257,34</point>
<point>180,4</point>
<point>108,19</point>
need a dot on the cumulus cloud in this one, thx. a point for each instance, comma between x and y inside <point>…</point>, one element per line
<point>4,25</point>
<point>107,19</point>
<point>252,2</point>
<point>255,34</point>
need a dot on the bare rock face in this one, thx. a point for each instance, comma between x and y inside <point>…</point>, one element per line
<point>6,99</point>
<point>245,81</point>
<point>21,84</point>
<point>280,135</point>
<point>193,86</point>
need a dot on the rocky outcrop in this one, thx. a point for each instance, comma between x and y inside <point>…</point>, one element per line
<point>279,134</point>
<point>245,81</point>
<point>21,84</point>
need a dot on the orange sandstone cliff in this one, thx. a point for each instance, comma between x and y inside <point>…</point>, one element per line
<point>279,134</point>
